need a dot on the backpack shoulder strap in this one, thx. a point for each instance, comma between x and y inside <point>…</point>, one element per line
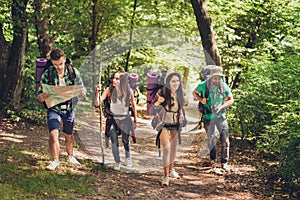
<point>136,96</point>
<point>51,75</point>
<point>71,72</point>
<point>207,89</point>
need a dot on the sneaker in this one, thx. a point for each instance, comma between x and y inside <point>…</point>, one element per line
<point>226,167</point>
<point>73,160</point>
<point>128,162</point>
<point>53,165</point>
<point>165,181</point>
<point>117,166</point>
<point>174,174</point>
<point>218,171</point>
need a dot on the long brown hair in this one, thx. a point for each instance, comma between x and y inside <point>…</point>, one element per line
<point>124,89</point>
<point>166,92</point>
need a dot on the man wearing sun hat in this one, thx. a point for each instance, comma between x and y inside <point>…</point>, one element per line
<point>216,96</point>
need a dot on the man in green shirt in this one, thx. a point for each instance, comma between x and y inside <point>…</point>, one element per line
<point>65,111</point>
<point>218,99</point>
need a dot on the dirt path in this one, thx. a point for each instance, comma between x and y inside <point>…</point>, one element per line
<point>142,181</point>
<point>145,155</point>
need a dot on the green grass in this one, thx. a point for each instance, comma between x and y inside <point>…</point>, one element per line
<point>21,177</point>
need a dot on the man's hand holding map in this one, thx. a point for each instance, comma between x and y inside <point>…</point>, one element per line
<point>60,94</point>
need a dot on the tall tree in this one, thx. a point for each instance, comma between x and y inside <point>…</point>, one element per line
<point>130,36</point>
<point>42,21</point>
<point>212,55</point>
<point>12,73</point>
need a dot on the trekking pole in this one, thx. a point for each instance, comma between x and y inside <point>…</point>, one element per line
<point>101,137</point>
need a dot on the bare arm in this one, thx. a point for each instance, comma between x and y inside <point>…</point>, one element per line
<point>197,96</point>
<point>98,100</point>
<point>158,100</point>
<point>42,97</point>
<point>185,99</point>
<point>133,105</point>
<point>227,103</point>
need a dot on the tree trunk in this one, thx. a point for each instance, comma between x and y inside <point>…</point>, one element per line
<point>212,55</point>
<point>41,22</point>
<point>13,75</point>
<point>93,43</point>
<point>4,53</point>
<point>130,36</point>
<point>185,76</point>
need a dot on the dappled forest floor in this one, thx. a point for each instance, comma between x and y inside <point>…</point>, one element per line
<point>198,179</point>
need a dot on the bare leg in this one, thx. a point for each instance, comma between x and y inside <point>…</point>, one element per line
<point>173,148</point>
<point>54,144</point>
<point>165,141</point>
<point>69,141</point>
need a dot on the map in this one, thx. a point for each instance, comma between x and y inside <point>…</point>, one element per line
<point>60,94</point>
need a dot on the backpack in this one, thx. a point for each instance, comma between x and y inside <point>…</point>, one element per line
<point>132,80</point>
<point>204,77</point>
<point>205,71</point>
<point>155,82</point>
<point>42,64</point>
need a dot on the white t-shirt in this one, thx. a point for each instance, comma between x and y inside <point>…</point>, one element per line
<point>62,82</point>
<point>119,107</point>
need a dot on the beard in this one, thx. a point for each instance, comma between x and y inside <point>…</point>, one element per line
<point>217,84</point>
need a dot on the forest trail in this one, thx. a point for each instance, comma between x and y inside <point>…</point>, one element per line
<point>145,154</point>
<point>142,181</point>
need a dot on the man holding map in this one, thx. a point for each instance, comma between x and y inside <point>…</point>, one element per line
<point>60,86</point>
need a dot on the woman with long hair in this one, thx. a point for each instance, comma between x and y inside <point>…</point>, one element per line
<point>121,96</point>
<point>171,98</point>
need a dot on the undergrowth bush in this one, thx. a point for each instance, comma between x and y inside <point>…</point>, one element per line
<point>267,110</point>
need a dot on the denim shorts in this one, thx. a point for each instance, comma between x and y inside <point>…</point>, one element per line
<point>54,119</point>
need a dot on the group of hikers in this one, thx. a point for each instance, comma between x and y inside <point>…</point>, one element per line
<point>169,101</point>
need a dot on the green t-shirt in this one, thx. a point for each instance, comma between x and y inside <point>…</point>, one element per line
<point>214,98</point>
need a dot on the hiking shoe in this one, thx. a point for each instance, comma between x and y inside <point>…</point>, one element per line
<point>165,181</point>
<point>128,162</point>
<point>218,171</point>
<point>174,174</point>
<point>226,167</point>
<point>73,160</point>
<point>117,166</point>
<point>53,165</point>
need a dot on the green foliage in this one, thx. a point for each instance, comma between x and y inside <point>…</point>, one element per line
<point>284,138</point>
<point>267,108</point>
<point>247,28</point>
<point>31,110</point>
<point>258,42</point>
<point>5,20</point>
